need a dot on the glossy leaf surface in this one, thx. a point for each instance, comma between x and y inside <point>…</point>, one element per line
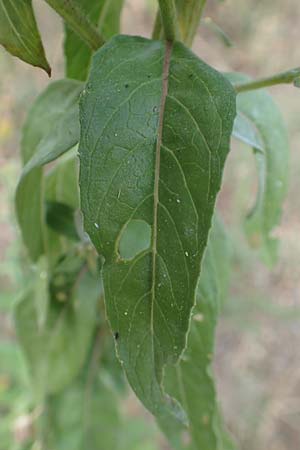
<point>155,129</point>
<point>19,33</point>
<point>51,128</point>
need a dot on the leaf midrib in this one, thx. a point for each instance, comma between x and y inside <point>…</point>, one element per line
<point>165,85</point>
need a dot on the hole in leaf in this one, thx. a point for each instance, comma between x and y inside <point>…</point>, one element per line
<point>135,238</point>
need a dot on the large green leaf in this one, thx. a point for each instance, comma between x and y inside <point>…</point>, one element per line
<point>56,348</point>
<point>191,381</point>
<point>103,13</point>
<point>51,128</point>
<point>19,33</point>
<point>155,129</point>
<point>271,148</point>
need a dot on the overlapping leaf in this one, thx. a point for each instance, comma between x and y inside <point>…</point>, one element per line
<point>245,131</point>
<point>19,33</point>
<point>155,129</point>
<point>191,380</point>
<point>268,136</point>
<point>87,415</point>
<point>103,13</point>
<point>51,128</point>
<point>62,190</point>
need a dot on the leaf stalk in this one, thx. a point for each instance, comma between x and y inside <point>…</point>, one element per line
<point>168,14</point>
<point>78,21</point>
<point>291,76</point>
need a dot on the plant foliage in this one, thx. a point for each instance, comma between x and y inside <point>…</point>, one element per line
<point>130,279</point>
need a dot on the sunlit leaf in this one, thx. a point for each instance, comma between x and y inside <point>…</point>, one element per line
<point>155,129</point>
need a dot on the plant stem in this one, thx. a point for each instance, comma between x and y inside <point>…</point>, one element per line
<point>290,76</point>
<point>189,16</point>
<point>156,33</point>
<point>189,13</point>
<point>77,20</point>
<point>169,19</point>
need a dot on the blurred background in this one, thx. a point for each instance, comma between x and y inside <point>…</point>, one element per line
<point>257,361</point>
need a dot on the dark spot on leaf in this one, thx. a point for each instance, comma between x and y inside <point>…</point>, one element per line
<point>126,86</point>
<point>190,75</point>
<point>116,335</point>
<point>154,109</point>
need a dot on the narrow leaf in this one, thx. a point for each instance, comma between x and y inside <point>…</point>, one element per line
<point>272,158</point>
<point>19,33</point>
<point>51,128</point>
<point>103,13</point>
<point>191,380</point>
<point>245,131</point>
<point>155,129</point>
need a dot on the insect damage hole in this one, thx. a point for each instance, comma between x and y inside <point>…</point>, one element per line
<point>135,238</point>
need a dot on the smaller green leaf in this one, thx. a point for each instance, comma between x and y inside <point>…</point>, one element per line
<point>51,128</point>
<point>60,217</point>
<point>62,181</point>
<point>218,31</point>
<point>61,186</point>
<point>245,131</point>
<point>85,415</point>
<point>58,346</point>
<point>268,137</point>
<point>103,13</point>
<point>88,413</point>
<point>191,380</point>
<point>19,33</point>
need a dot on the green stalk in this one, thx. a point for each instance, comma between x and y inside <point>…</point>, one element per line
<point>157,29</point>
<point>189,16</point>
<point>189,13</point>
<point>288,77</point>
<point>77,20</point>
<point>169,19</point>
